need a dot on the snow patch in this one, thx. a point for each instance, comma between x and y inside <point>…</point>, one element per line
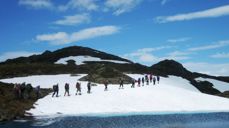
<point>79,60</point>
<point>219,85</point>
<point>172,95</point>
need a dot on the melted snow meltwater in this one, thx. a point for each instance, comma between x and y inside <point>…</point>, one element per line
<point>207,120</point>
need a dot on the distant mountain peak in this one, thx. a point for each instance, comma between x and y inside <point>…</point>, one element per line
<point>170,67</point>
<point>52,57</point>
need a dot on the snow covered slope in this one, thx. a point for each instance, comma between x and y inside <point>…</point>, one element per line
<point>172,95</point>
<point>219,85</point>
<point>79,60</point>
<point>172,81</point>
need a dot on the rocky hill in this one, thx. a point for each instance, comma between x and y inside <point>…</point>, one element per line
<point>52,57</point>
<point>50,63</point>
<point>76,59</point>
<point>171,67</point>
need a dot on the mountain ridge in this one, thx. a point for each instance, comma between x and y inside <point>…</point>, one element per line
<point>52,57</point>
<point>44,64</point>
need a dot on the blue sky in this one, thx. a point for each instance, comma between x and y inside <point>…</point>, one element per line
<point>192,32</point>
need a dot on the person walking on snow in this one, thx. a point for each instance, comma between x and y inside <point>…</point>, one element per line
<point>147,79</point>
<point>151,78</point>
<point>154,80</point>
<point>121,83</point>
<point>78,87</point>
<point>55,90</point>
<point>133,83</point>
<point>89,87</point>
<point>139,82</point>
<point>66,87</point>
<point>158,79</point>
<point>106,84</point>
<point>143,80</point>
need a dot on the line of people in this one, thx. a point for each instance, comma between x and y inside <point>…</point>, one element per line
<point>66,87</point>
<point>146,79</point>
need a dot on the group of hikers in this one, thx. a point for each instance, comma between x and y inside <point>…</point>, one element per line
<point>140,81</point>
<point>24,91</point>
<point>147,79</point>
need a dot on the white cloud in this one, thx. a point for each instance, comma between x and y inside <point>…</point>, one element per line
<point>88,5</point>
<point>61,38</point>
<point>147,58</point>
<point>207,68</point>
<point>12,55</point>
<point>221,55</point>
<point>37,4</point>
<point>209,13</point>
<point>74,20</point>
<point>218,44</point>
<point>141,57</point>
<point>177,55</point>
<point>56,38</point>
<point>121,6</point>
<point>163,2</point>
<point>183,39</point>
<point>152,49</point>
<point>176,58</point>
<point>145,55</point>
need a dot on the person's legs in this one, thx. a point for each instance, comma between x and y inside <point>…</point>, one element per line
<point>53,93</point>
<point>57,93</point>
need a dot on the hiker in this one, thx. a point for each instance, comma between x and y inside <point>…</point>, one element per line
<point>22,88</point>
<point>133,83</point>
<point>55,90</point>
<point>78,87</point>
<point>121,83</point>
<point>139,82</point>
<point>106,84</point>
<point>89,87</point>
<point>143,80</point>
<point>154,80</point>
<point>158,79</point>
<point>28,89</point>
<point>17,91</point>
<point>37,92</point>
<point>151,78</point>
<point>147,79</point>
<point>66,87</point>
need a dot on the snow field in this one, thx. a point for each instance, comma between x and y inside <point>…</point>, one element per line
<point>79,60</point>
<point>172,95</point>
